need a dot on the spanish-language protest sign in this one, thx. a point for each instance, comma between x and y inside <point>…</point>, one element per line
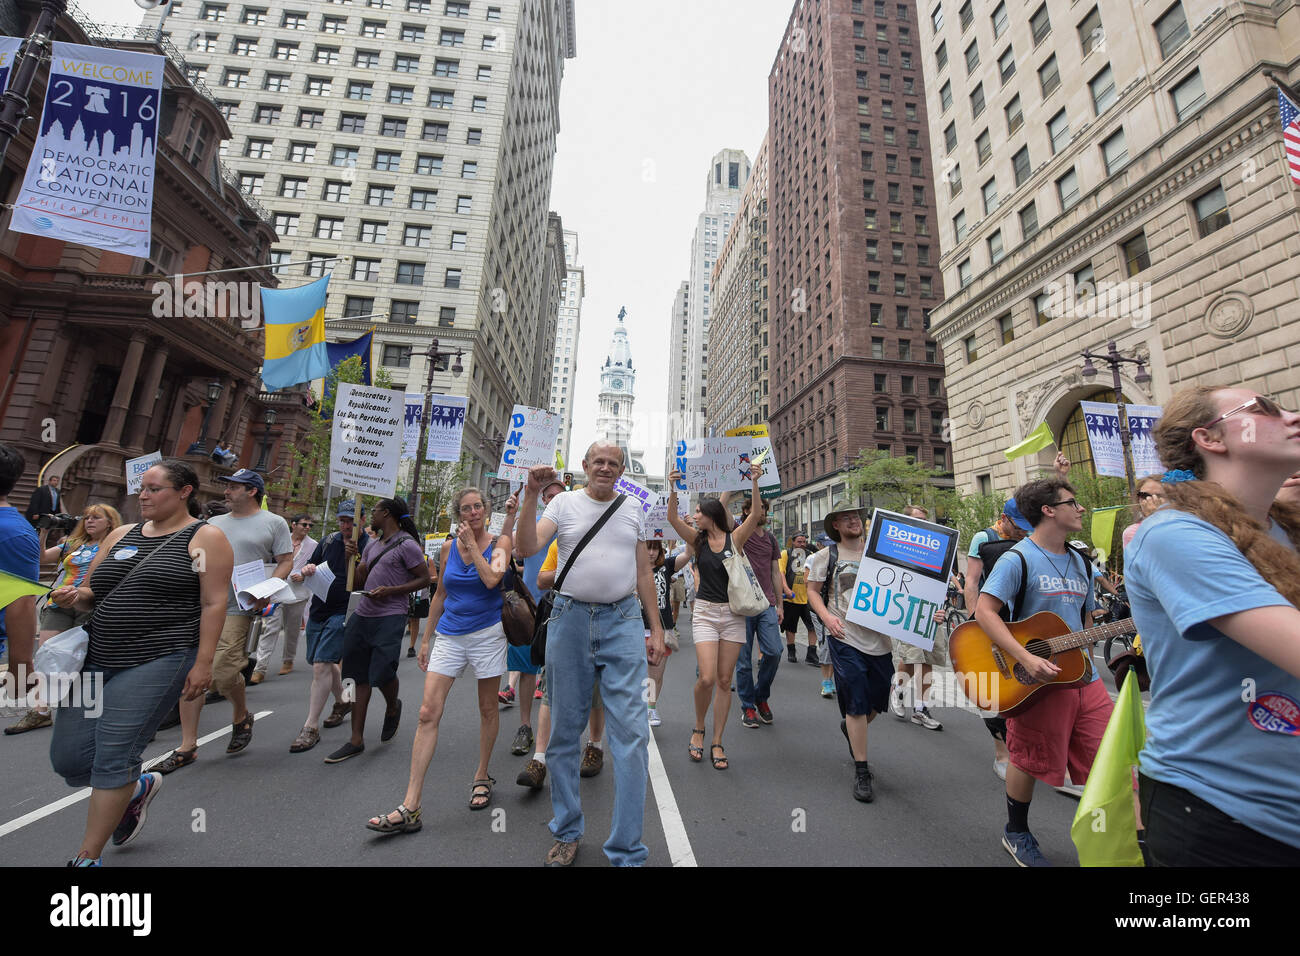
<point>366,439</point>
<point>762,454</point>
<point>626,486</point>
<point>135,469</point>
<point>657,527</point>
<point>903,577</point>
<point>9,47</point>
<point>446,426</point>
<point>414,408</point>
<point>90,178</point>
<point>714,464</point>
<point>531,442</point>
<point>1102,422</point>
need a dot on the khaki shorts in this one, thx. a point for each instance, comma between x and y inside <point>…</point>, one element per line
<point>714,622</point>
<point>232,654</point>
<point>911,654</point>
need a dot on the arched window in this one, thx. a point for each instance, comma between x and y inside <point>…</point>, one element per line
<point>616,408</point>
<point>1074,436</point>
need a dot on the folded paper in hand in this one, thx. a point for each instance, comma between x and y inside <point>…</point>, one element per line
<point>268,589</point>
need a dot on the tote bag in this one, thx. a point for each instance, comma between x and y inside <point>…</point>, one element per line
<point>744,594</point>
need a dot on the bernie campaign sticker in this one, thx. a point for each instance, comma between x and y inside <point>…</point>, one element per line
<point>123,554</point>
<point>1276,714</point>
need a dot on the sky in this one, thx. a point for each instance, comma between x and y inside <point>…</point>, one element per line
<point>654,91</point>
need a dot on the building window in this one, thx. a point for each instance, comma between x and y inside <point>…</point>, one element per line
<point>1006,329</point>
<point>945,96</point>
<point>1103,90</point>
<point>243,47</point>
<point>405,63</point>
<point>454,8</point>
<point>1040,24</point>
<point>1042,310</point>
<point>365,270</point>
<point>379,195</point>
<point>419,236</point>
<point>403,313</point>
<point>344,156</point>
<point>1189,96</point>
<point>451,280</point>
<point>1058,131</point>
<point>972,57</point>
<point>1067,188</point>
<point>1091,33</point>
<point>435,132</point>
<point>446,317</point>
<point>1049,77</point>
<point>410,273</point>
<point>329,228</point>
<point>1211,211</point>
<point>392,126</point>
<point>397,356</point>
<point>1115,151</point>
<point>369,59</point>
<point>401,95</point>
<point>424,199</point>
<point>964,275</point>
<point>479,104</point>
<point>235,79</point>
<point>984,147</point>
<point>950,137</point>
<point>286,224</point>
<point>989,192</point>
<point>959,226</point>
<point>267,115</point>
<point>441,99</point>
<point>468,170</point>
<point>373,29</point>
<point>1136,256</point>
<point>285,51</point>
<point>977,101</point>
<point>359,91</point>
<point>317,86</point>
<point>995,247</point>
<point>258,149</point>
<point>1021,165</point>
<point>428,165</point>
<point>1171,30</point>
<point>293,188</point>
<point>877,348</point>
<point>1029,221</point>
<point>909,426</point>
<point>332,25</point>
<point>302,152</point>
<point>388,162</point>
<point>1014,117</point>
<point>329,55</point>
<point>940,56</point>
<point>489,42</point>
<point>464,205</point>
<point>972,353</point>
<point>446,67</point>
<point>355,306</point>
<point>459,241</point>
<point>352,123</point>
<point>213,12</point>
<point>999,19</point>
<point>881,382</point>
<point>882,418</point>
<point>484,74</point>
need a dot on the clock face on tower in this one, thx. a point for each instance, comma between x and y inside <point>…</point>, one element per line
<point>617,383</point>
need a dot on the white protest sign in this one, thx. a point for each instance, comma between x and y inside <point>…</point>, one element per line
<point>446,426</point>
<point>496,522</point>
<point>135,469</point>
<point>903,577</point>
<point>761,454</point>
<point>91,174</point>
<point>531,442</point>
<point>626,486</point>
<point>414,407</point>
<point>366,439</point>
<point>714,464</point>
<point>432,544</point>
<point>657,527</point>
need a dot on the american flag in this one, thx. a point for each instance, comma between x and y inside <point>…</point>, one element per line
<point>1290,133</point>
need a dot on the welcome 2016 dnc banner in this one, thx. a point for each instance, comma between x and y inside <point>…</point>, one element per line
<point>1101,419</point>
<point>90,179</point>
<point>9,47</point>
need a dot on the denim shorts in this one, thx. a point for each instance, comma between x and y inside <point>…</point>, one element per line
<point>371,648</point>
<point>103,748</point>
<point>862,681</point>
<point>325,640</point>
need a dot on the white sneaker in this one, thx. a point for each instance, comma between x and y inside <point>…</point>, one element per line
<point>654,718</point>
<point>1000,768</point>
<point>896,704</point>
<point>1070,788</point>
<point>924,718</point>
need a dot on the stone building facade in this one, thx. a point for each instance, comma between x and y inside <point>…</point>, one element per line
<point>1146,202</point>
<point>564,370</point>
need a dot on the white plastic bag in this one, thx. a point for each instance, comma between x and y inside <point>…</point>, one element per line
<point>63,653</point>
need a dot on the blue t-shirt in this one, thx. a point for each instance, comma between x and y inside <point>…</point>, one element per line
<point>1233,744</point>
<point>1064,594</point>
<point>534,564</point>
<point>469,605</point>
<point>20,552</point>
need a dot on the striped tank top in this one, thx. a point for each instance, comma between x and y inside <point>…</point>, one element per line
<point>156,611</point>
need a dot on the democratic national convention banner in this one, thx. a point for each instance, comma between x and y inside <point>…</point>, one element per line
<point>366,439</point>
<point>90,179</point>
<point>770,484</point>
<point>446,426</point>
<point>903,578</point>
<point>714,465</point>
<point>1102,421</point>
<point>657,527</point>
<point>646,497</point>
<point>414,407</point>
<point>531,442</point>
<point>9,47</point>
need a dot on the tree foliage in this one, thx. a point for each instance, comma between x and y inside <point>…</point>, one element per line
<point>893,483</point>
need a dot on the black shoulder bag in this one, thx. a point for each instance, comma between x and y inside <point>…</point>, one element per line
<point>538,654</point>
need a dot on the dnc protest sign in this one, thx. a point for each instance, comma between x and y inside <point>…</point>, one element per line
<point>90,179</point>
<point>714,464</point>
<point>903,577</point>
<point>531,442</point>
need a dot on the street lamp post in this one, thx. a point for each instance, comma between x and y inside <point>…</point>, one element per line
<point>200,447</point>
<point>268,420</point>
<point>432,354</point>
<point>14,108</point>
<point>1113,358</point>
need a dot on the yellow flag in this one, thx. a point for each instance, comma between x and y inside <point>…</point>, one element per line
<point>1037,440</point>
<point>1103,528</point>
<point>265,501</point>
<point>13,587</point>
<point>1104,830</point>
<point>559,460</point>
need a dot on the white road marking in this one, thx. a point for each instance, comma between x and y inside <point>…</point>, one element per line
<point>679,844</point>
<point>57,805</point>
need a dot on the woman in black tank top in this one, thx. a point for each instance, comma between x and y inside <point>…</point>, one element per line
<point>158,593</point>
<point>717,632</point>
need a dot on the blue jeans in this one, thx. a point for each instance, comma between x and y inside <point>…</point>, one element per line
<point>587,643</point>
<point>769,642</point>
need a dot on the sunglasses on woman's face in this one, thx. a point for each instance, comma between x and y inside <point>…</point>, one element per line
<point>1259,405</point>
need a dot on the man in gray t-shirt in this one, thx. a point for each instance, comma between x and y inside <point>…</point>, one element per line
<point>254,535</point>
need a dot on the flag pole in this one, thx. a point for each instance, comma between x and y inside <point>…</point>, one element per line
<point>356,530</point>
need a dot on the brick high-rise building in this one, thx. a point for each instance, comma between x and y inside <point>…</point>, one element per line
<point>416,138</point>
<point>853,250</point>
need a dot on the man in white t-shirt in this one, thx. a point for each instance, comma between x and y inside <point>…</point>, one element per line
<point>596,633</point>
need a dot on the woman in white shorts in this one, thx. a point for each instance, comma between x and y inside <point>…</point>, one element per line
<point>717,632</point>
<point>466,614</point>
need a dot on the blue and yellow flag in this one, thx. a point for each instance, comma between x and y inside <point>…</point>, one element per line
<point>13,587</point>
<point>295,335</point>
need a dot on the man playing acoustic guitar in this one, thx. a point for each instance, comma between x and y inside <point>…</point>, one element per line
<point>1065,724</point>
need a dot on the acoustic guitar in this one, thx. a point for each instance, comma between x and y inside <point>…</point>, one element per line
<point>994,681</point>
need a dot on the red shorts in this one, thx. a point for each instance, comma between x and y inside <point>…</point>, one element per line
<point>1061,731</point>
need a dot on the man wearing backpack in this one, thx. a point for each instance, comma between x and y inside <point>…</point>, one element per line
<point>985,548</point>
<point>1063,727</point>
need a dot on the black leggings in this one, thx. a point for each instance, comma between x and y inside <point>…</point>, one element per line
<point>792,614</point>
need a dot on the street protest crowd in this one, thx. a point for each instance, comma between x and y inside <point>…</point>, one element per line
<point>571,613</point>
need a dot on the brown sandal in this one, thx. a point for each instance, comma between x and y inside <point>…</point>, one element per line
<point>697,753</point>
<point>176,759</point>
<point>409,822</point>
<point>481,790</point>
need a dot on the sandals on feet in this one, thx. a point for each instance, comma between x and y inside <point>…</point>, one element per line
<point>697,753</point>
<point>719,763</point>
<point>409,822</point>
<point>309,737</point>
<point>176,759</point>
<point>481,790</point>
<point>242,734</point>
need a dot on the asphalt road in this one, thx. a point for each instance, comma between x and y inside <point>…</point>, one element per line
<point>786,800</point>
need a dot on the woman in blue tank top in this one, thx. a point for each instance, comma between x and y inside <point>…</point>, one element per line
<point>466,614</point>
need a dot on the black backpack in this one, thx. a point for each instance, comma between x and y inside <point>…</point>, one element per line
<point>830,572</point>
